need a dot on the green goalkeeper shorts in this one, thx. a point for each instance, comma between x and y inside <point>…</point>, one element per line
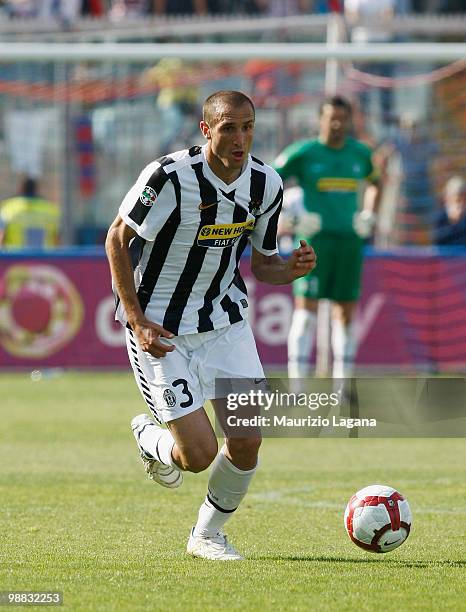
<point>337,275</point>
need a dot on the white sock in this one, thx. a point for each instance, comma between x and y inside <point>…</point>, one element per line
<point>227,487</point>
<point>344,349</point>
<point>300,342</point>
<point>158,443</point>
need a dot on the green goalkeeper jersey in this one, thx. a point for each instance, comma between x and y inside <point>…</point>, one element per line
<point>330,179</point>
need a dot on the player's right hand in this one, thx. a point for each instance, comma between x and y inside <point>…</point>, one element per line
<point>149,337</point>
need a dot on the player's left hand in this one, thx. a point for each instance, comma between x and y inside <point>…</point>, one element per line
<point>301,261</point>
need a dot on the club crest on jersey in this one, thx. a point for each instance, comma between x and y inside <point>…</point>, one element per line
<point>169,397</point>
<point>254,206</point>
<point>148,195</point>
<point>223,235</point>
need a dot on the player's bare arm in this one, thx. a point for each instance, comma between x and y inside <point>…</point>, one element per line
<point>372,197</point>
<point>278,271</point>
<point>117,248</point>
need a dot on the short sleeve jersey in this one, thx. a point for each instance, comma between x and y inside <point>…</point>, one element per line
<point>192,229</point>
<point>330,179</point>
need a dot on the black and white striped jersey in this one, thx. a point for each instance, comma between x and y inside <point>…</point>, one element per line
<point>192,229</point>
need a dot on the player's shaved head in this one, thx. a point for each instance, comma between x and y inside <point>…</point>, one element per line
<point>216,103</point>
<point>337,102</point>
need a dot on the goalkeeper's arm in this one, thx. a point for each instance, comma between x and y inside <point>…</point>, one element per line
<point>372,197</point>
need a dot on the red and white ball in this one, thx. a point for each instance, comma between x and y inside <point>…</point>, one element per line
<point>378,518</point>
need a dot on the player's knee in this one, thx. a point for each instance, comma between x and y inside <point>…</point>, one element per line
<point>199,462</point>
<point>198,459</point>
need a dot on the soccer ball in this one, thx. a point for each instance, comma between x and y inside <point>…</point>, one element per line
<point>378,518</point>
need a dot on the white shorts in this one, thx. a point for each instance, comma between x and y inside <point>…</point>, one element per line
<point>182,381</point>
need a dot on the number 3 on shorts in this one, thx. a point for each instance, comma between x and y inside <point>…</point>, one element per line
<point>185,391</point>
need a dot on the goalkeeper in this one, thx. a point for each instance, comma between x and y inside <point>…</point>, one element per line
<point>331,173</point>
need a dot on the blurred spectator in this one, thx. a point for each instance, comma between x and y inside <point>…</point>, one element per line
<point>425,6</point>
<point>452,6</point>
<point>180,7</point>
<point>327,6</point>
<point>271,81</point>
<point>283,8</point>
<point>177,100</point>
<point>21,8</point>
<point>378,13</point>
<point>233,7</point>
<point>28,220</point>
<point>128,8</point>
<point>417,157</point>
<point>66,11</point>
<point>417,151</point>
<point>433,7</point>
<point>403,7</point>
<point>450,223</point>
<point>95,8</point>
<point>63,10</point>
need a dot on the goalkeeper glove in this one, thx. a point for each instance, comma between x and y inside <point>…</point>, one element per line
<point>308,224</point>
<point>364,223</point>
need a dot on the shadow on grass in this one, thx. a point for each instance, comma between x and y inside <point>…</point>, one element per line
<point>378,559</point>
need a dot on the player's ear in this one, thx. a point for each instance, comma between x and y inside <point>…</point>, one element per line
<point>205,129</point>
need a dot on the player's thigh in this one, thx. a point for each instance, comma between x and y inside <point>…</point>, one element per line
<point>316,284</point>
<point>169,385</point>
<point>231,355</point>
<point>348,270</point>
<point>307,288</point>
<point>338,273</point>
<point>139,367</point>
<point>231,367</point>
<point>233,363</point>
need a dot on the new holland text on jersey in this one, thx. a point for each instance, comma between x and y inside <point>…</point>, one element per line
<point>223,235</point>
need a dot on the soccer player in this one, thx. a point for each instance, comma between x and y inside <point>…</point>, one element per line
<point>330,172</point>
<point>174,251</point>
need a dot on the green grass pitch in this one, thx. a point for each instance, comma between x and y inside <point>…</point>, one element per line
<point>78,514</point>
